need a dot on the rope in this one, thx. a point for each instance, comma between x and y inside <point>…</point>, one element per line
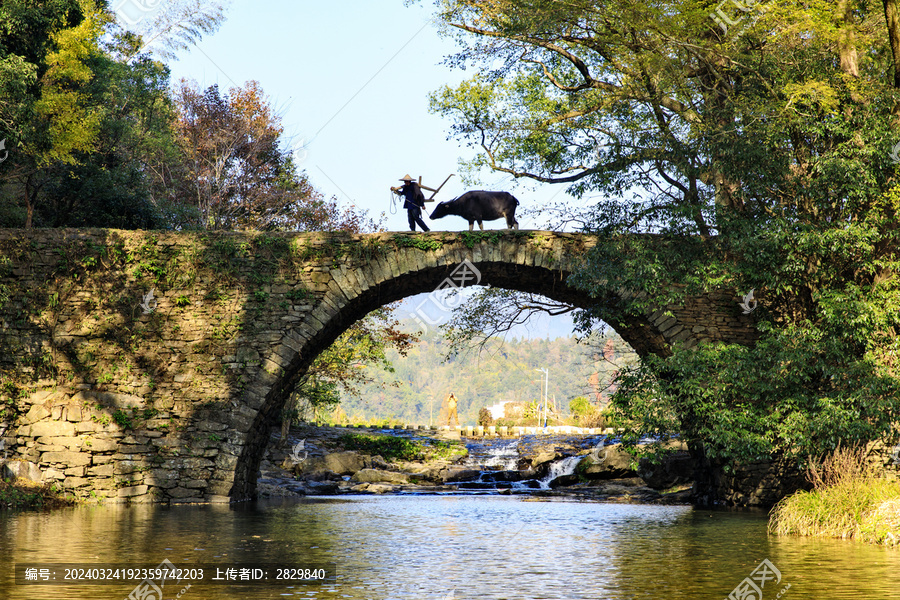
<point>392,206</point>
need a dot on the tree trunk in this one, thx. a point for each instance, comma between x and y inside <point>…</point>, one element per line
<point>847,40</point>
<point>29,202</point>
<point>893,27</point>
<point>707,477</point>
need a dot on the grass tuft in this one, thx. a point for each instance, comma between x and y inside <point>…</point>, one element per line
<point>849,499</point>
<point>27,495</point>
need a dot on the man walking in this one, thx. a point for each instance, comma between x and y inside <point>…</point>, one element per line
<point>414,202</point>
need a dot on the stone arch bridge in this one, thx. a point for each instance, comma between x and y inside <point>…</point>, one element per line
<point>108,389</point>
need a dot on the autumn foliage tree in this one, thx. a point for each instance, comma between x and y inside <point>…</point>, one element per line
<point>233,173</point>
<point>232,169</point>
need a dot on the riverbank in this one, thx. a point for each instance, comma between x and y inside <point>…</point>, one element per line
<point>851,499</point>
<point>334,461</point>
<point>21,494</point>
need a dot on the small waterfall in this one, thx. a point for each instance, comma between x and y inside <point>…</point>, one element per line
<point>564,466</point>
<point>503,458</point>
<point>494,457</point>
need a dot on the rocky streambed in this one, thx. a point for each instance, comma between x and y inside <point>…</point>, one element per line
<point>335,460</point>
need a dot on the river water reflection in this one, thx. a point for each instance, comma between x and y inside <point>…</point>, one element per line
<point>444,547</point>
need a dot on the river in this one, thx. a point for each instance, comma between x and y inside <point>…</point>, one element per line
<point>449,547</point>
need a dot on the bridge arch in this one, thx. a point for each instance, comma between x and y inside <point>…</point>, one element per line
<point>527,261</point>
<point>176,403</point>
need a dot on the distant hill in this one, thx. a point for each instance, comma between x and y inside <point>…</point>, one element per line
<point>413,393</point>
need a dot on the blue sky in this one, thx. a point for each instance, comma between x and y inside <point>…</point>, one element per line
<point>350,79</point>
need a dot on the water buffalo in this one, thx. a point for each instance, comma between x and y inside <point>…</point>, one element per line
<point>480,206</point>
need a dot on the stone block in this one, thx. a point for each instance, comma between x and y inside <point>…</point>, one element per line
<point>124,467</point>
<point>72,459</point>
<point>103,484</point>
<point>129,492</point>
<point>74,413</point>
<point>36,413</point>
<point>134,439</point>
<point>75,482</point>
<point>219,488</point>
<point>451,474</point>
<point>89,427</point>
<point>42,397</point>
<point>52,429</point>
<point>100,445</point>
<point>207,425</point>
<point>53,475</point>
<point>346,463</point>
<point>166,442</point>
<point>225,462</point>
<point>41,448</point>
<point>197,463</point>
<point>544,457</point>
<point>131,478</point>
<point>378,475</point>
<point>101,471</point>
<point>109,399</point>
<point>20,470</point>
<point>133,449</point>
<point>181,493</point>
<point>65,442</point>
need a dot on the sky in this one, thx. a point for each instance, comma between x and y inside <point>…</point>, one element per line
<point>350,79</point>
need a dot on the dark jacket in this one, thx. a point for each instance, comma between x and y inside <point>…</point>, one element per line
<point>414,198</point>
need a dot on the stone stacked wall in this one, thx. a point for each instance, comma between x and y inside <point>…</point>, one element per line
<point>174,400</point>
<point>133,403</point>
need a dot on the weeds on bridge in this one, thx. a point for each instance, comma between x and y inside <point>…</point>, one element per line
<point>419,242</point>
<point>471,238</point>
<point>340,248</point>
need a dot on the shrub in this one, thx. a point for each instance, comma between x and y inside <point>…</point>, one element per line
<point>485,418</point>
<point>849,500</point>
<point>398,448</point>
<point>588,415</point>
<point>580,406</point>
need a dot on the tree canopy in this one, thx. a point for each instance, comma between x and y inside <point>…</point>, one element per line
<point>754,141</point>
<point>81,107</point>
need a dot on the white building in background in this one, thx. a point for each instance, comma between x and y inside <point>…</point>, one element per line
<point>496,410</point>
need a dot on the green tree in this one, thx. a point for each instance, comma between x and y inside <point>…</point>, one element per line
<point>756,156</point>
<point>81,107</point>
<point>109,186</point>
<point>346,366</point>
<point>44,56</point>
